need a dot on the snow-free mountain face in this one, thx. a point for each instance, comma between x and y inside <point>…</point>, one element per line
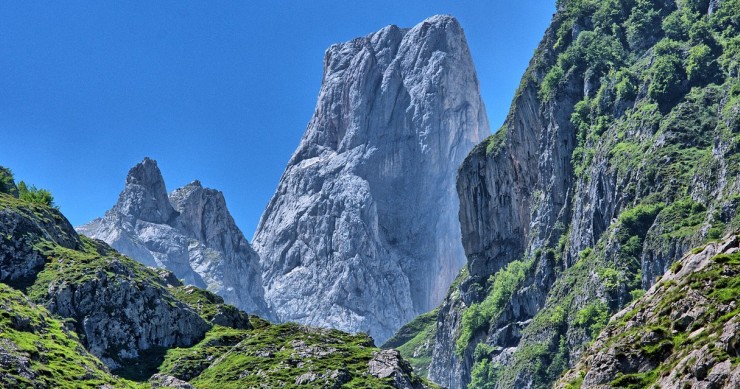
<point>362,233</point>
<point>190,232</point>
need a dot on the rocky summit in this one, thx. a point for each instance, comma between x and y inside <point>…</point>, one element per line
<point>189,232</point>
<point>362,233</point>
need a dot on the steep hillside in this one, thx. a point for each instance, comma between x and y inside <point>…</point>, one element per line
<point>620,153</point>
<point>73,310</point>
<point>38,351</point>
<point>684,332</point>
<point>189,232</point>
<point>362,233</point>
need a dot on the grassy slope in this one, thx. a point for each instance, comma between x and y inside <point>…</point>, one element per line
<point>37,350</point>
<point>254,354</point>
<point>415,340</point>
<point>658,340</point>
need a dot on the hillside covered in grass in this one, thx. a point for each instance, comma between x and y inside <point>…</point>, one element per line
<point>76,313</point>
<point>684,332</point>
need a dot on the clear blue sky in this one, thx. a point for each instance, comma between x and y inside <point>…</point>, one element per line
<point>220,93</point>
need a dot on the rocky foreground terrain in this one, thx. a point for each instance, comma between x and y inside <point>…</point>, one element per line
<point>684,332</point>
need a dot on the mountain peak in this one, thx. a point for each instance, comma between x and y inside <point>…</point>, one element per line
<point>189,232</point>
<point>145,194</point>
<point>348,240</point>
<point>145,173</point>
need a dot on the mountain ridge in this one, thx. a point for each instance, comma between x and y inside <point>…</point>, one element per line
<point>189,231</point>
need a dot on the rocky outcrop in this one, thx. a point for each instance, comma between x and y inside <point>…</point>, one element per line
<point>389,364</point>
<point>189,232</point>
<point>23,225</point>
<point>362,233</point>
<point>38,351</point>
<point>684,332</point>
<point>149,327</point>
<point>121,310</point>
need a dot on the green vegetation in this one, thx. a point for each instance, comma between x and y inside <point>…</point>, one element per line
<point>664,342</point>
<point>188,363</point>
<point>655,97</point>
<point>593,317</point>
<point>35,195</point>
<point>209,305</point>
<point>275,356</point>
<point>666,73</point>
<point>7,183</point>
<point>39,351</point>
<point>635,380</point>
<point>484,374</point>
<point>479,316</point>
<point>495,142</point>
<point>415,341</point>
<point>42,350</point>
<point>94,261</point>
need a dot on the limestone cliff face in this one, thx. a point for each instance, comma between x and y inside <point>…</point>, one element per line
<point>600,178</point>
<point>189,232</point>
<point>362,233</point>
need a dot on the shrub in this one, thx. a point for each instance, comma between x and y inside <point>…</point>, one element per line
<point>677,25</point>
<point>593,317</point>
<point>626,89</point>
<point>667,73</point>
<point>610,12</point>
<point>478,316</point>
<point>701,66</point>
<point>35,195</point>
<point>643,25</point>
<point>726,18</point>
<point>550,82</point>
<point>484,375</point>
<point>698,6</point>
<point>7,184</point>
<point>730,59</point>
<point>638,220</point>
<point>637,293</point>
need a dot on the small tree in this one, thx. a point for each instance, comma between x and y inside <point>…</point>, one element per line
<point>7,183</point>
<point>35,195</point>
<point>701,67</point>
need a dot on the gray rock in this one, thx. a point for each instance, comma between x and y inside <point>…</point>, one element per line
<point>121,316</point>
<point>19,260</point>
<point>362,233</point>
<point>190,232</point>
<point>166,381</point>
<point>389,364</point>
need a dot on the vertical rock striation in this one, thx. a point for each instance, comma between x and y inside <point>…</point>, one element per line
<point>362,233</point>
<point>190,232</point>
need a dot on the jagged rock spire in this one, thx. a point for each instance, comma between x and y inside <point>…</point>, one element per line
<point>363,233</point>
<point>189,232</point>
